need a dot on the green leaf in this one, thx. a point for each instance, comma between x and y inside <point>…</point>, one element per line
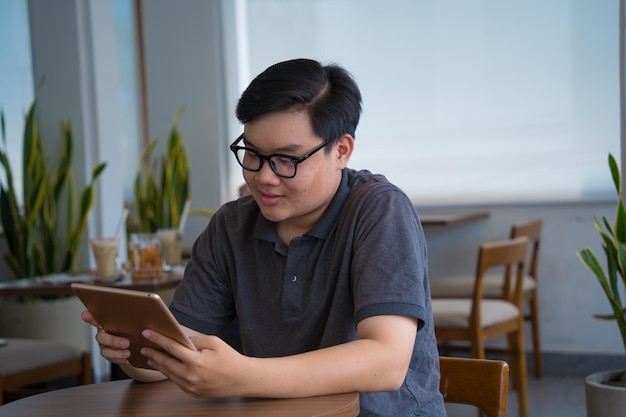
<point>607,317</point>
<point>65,164</point>
<point>97,170</point>
<point>620,222</point>
<point>3,128</point>
<point>615,173</point>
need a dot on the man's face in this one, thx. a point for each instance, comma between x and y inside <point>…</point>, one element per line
<point>294,203</point>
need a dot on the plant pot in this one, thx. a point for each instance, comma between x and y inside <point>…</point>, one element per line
<point>604,400</point>
<point>55,319</point>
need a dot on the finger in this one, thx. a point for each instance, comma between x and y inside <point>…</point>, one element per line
<point>117,356</point>
<point>170,358</point>
<point>157,359</point>
<point>88,318</point>
<point>167,344</point>
<point>113,348</point>
<point>106,339</point>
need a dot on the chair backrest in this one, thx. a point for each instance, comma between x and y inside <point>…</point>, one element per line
<point>532,230</point>
<point>482,383</point>
<point>509,254</point>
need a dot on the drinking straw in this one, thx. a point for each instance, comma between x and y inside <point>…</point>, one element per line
<point>121,222</point>
<point>183,218</point>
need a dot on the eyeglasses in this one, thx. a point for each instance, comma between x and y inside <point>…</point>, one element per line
<point>282,165</point>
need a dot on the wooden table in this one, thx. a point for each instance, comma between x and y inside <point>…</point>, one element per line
<point>127,398</point>
<point>51,286</point>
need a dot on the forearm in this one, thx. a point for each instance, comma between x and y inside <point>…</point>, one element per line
<point>373,362</point>
<point>355,366</point>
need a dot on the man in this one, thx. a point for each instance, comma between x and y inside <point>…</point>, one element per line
<point>322,267</point>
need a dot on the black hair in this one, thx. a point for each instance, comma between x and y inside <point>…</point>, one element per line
<point>327,92</point>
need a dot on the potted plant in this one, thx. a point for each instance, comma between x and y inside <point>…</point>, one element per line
<point>161,191</point>
<point>162,203</point>
<point>606,391</point>
<point>36,243</point>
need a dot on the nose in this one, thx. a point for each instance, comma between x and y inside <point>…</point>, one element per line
<point>266,175</point>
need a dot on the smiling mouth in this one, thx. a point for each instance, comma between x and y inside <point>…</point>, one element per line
<point>269,199</point>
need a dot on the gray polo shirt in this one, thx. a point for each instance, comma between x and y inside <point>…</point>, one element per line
<point>366,256</point>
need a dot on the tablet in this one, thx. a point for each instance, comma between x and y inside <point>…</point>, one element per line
<point>127,312</point>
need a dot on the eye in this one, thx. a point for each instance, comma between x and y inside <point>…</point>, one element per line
<point>282,161</point>
<point>250,155</point>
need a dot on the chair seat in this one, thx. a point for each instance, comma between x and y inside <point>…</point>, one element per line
<point>453,313</point>
<point>20,355</point>
<point>463,285</point>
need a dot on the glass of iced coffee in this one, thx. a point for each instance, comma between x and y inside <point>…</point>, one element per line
<point>105,253</point>
<point>171,247</point>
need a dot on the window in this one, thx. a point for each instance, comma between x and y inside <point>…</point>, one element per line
<point>16,79</point>
<point>129,91</point>
<point>487,101</point>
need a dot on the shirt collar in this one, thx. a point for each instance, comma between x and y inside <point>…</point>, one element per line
<point>266,230</point>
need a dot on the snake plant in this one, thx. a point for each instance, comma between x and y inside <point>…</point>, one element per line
<point>161,188</point>
<point>613,235</point>
<point>35,244</point>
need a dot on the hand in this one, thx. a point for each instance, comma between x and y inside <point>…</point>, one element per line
<point>113,348</point>
<point>215,370</point>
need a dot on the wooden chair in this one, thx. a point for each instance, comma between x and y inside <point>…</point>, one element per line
<point>28,362</point>
<point>482,383</point>
<point>532,230</point>
<point>462,286</point>
<point>477,319</point>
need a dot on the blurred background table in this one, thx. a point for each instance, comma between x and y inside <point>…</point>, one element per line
<point>59,285</point>
<point>441,218</point>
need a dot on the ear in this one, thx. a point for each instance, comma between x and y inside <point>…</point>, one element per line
<point>343,150</point>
